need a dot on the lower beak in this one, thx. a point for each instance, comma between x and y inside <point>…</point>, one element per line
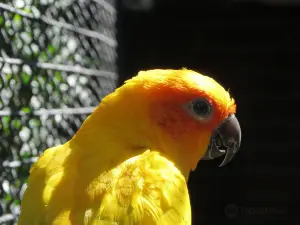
<point>226,139</point>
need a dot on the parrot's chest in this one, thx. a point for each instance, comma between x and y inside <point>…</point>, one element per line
<point>140,190</point>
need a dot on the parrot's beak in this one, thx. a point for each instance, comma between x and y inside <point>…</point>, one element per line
<point>225,139</point>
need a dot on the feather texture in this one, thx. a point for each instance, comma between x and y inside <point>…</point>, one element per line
<point>146,189</point>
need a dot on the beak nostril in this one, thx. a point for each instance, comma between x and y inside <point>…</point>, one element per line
<point>222,148</point>
<point>219,143</point>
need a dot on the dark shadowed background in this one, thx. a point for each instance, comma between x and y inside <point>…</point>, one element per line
<point>253,49</point>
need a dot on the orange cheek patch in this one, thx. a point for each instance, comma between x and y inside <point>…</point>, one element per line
<point>173,120</point>
<point>167,112</point>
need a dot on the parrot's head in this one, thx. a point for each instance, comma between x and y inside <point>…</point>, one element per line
<point>192,114</point>
<point>183,114</point>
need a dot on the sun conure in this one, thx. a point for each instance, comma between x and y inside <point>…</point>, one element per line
<point>129,162</point>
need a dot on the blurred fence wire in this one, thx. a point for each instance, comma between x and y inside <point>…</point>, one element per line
<point>57,60</point>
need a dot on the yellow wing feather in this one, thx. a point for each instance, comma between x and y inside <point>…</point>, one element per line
<point>144,190</point>
<point>46,175</point>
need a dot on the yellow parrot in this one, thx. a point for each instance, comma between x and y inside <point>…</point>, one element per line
<point>129,162</point>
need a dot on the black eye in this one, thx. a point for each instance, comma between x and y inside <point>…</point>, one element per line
<point>201,108</point>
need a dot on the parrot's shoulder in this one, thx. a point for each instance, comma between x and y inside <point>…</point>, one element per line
<point>45,175</point>
<point>54,156</point>
<point>145,189</point>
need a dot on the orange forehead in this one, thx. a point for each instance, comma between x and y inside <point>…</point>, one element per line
<point>181,86</point>
<point>170,90</point>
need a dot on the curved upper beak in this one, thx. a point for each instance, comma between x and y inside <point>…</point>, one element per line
<point>226,139</point>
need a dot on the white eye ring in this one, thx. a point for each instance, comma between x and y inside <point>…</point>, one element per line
<point>201,108</point>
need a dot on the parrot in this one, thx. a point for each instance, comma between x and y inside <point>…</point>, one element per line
<point>130,161</point>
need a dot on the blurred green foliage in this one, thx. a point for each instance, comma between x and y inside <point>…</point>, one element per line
<point>36,62</point>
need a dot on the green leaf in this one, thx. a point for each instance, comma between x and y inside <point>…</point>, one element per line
<point>26,110</point>
<point>51,49</point>
<point>43,56</point>
<point>27,10</point>
<point>17,202</point>
<point>7,198</point>
<point>17,22</point>
<point>25,180</point>
<point>35,122</point>
<point>26,155</point>
<point>1,20</point>
<point>16,123</point>
<point>58,76</point>
<point>7,76</point>
<point>17,18</point>
<point>6,120</point>
<point>25,78</point>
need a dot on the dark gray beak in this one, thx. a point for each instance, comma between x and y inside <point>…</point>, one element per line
<point>226,139</point>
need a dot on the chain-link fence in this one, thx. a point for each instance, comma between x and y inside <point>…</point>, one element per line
<point>57,60</point>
